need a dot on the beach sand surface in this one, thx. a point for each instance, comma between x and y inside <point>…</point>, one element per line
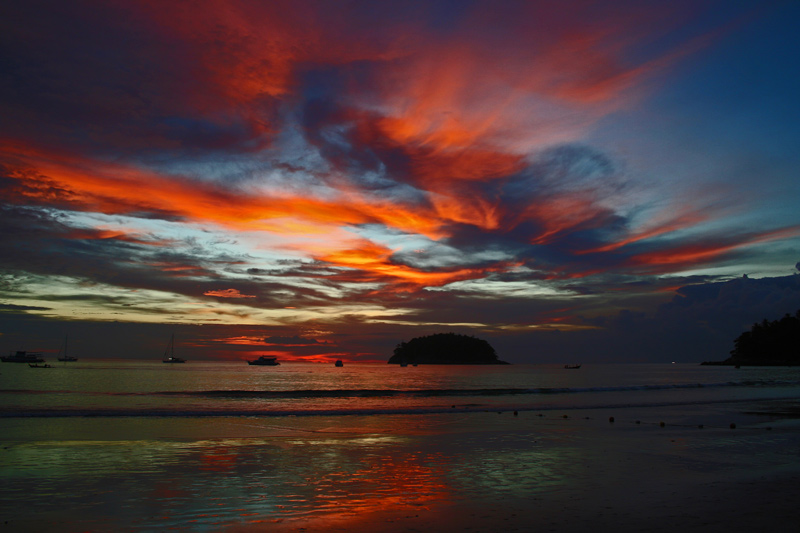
<point>485,471</point>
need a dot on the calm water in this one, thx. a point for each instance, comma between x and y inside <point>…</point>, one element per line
<point>143,446</point>
<point>127,388</point>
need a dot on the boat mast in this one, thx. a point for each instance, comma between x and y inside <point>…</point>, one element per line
<point>170,348</point>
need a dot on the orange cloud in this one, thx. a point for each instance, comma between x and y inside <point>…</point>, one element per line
<point>228,293</point>
<point>375,262</point>
<point>117,235</point>
<point>694,254</point>
<point>682,221</point>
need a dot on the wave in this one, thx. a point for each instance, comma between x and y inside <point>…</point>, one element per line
<point>414,393</point>
<point>228,412</point>
<point>429,393</point>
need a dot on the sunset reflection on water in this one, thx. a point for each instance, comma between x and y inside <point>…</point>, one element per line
<point>313,472</point>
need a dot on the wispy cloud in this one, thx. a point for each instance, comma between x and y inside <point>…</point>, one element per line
<point>398,161</point>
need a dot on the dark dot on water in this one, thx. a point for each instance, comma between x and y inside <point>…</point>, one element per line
<point>516,413</point>
<point>638,421</point>
<point>565,416</point>
<point>611,419</point>
<point>662,424</point>
<point>733,426</point>
<point>700,426</point>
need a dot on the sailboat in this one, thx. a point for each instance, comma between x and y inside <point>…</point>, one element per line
<point>62,353</point>
<point>171,351</point>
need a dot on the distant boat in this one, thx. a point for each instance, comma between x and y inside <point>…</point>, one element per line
<point>62,353</point>
<point>572,367</point>
<point>37,365</point>
<point>264,361</point>
<point>338,363</point>
<point>171,351</point>
<point>23,357</point>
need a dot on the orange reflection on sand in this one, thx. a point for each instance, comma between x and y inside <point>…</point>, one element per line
<point>342,500</point>
<point>219,459</point>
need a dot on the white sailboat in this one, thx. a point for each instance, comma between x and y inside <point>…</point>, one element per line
<point>169,353</point>
<point>62,353</point>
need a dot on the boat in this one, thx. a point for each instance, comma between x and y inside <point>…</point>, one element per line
<point>572,367</point>
<point>23,357</point>
<point>264,361</point>
<point>338,363</point>
<point>171,351</point>
<point>37,365</point>
<point>62,354</point>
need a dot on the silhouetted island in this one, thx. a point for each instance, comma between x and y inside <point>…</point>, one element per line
<point>445,349</point>
<point>775,343</point>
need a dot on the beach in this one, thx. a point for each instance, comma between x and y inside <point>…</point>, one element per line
<point>545,465</point>
<point>454,472</point>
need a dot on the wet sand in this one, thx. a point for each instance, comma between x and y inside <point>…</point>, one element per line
<point>488,471</point>
<point>602,476</point>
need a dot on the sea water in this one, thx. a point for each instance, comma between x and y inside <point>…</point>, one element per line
<point>214,389</point>
<point>206,446</point>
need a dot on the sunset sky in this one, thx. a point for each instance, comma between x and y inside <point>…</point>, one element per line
<point>571,181</point>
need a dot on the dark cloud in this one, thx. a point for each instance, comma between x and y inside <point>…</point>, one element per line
<point>18,308</point>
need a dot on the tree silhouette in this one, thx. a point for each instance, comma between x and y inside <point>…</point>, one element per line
<point>445,349</point>
<point>769,343</point>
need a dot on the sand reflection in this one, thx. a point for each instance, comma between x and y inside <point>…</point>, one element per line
<point>312,472</point>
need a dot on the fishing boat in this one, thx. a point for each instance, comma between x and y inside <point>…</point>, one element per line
<point>23,357</point>
<point>572,367</point>
<point>264,361</point>
<point>169,353</point>
<point>62,353</point>
<point>338,363</point>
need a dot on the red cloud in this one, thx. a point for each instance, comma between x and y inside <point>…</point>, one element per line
<point>228,293</point>
<point>698,254</point>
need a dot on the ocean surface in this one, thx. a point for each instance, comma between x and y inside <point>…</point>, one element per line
<point>217,389</point>
<point>224,446</point>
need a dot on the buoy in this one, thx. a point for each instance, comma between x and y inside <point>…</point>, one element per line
<point>700,426</point>
<point>515,413</point>
<point>662,424</point>
<point>611,419</point>
<point>565,416</point>
<point>733,426</point>
<point>638,421</point>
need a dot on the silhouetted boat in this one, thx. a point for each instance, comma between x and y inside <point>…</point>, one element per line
<point>171,351</point>
<point>37,365</point>
<point>572,367</point>
<point>264,361</point>
<point>62,354</point>
<point>23,357</point>
<point>338,363</point>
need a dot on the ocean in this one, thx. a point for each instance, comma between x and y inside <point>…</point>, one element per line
<point>219,389</point>
<point>211,446</point>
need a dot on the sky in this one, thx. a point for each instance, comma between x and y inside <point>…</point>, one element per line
<point>572,181</point>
